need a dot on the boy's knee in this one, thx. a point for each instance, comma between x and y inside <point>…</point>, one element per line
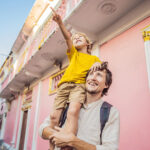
<point>54,118</point>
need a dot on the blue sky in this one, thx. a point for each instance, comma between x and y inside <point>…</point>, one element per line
<point>13,14</point>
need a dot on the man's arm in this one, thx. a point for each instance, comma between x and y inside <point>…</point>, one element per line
<point>47,132</point>
<point>64,31</point>
<point>44,130</point>
<point>81,145</point>
<point>61,139</point>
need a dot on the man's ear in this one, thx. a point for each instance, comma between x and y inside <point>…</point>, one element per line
<point>106,86</point>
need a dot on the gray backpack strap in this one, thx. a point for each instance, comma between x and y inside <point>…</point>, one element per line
<point>104,115</point>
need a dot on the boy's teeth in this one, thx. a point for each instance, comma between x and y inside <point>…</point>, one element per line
<point>92,84</point>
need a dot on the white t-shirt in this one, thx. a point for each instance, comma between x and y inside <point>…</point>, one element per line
<point>89,127</point>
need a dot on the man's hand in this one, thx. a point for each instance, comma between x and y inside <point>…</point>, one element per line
<point>56,17</point>
<point>47,131</point>
<point>95,66</point>
<point>61,138</point>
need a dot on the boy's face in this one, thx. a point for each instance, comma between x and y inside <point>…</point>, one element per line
<point>79,41</point>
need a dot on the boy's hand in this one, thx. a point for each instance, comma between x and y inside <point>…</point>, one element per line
<point>56,17</point>
<point>96,66</point>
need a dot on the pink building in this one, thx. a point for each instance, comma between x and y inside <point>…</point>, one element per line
<point>28,82</point>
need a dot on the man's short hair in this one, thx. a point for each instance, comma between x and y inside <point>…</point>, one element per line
<point>104,66</point>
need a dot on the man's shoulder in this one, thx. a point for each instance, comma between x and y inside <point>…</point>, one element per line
<point>114,110</point>
<point>114,113</point>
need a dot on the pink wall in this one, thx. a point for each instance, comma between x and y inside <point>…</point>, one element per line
<point>10,122</point>
<point>129,91</point>
<point>45,108</point>
<point>32,117</point>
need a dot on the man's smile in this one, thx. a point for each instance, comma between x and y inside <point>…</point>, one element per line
<point>92,83</point>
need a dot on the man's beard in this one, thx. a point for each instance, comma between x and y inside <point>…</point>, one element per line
<point>92,92</point>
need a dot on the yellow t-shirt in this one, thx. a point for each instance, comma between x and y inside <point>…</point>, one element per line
<point>79,65</point>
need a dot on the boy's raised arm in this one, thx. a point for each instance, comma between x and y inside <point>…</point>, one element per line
<point>64,31</point>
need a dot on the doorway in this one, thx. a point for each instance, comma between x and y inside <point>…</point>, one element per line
<point>23,130</point>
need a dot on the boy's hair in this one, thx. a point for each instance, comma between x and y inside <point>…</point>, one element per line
<point>89,47</point>
<point>104,66</point>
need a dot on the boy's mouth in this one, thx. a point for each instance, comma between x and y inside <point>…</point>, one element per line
<point>78,41</point>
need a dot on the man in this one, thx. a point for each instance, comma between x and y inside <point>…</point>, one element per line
<point>98,81</point>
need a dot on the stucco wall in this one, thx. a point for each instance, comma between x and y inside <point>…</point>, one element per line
<point>129,91</point>
<point>45,108</point>
<point>32,117</point>
<point>10,122</point>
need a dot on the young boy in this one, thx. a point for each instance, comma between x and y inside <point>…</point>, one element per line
<point>71,88</point>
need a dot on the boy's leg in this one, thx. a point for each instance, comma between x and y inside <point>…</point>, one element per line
<point>76,99</point>
<point>71,124</point>
<point>59,103</point>
<point>54,117</point>
<point>54,121</point>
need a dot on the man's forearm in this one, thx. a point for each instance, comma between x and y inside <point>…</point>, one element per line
<point>81,145</point>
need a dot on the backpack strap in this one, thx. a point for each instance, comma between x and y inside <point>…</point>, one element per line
<point>104,115</point>
<point>63,116</point>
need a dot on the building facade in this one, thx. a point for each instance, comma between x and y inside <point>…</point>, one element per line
<point>120,31</point>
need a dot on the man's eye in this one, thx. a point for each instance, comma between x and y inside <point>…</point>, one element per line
<point>99,74</point>
<point>90,73</point>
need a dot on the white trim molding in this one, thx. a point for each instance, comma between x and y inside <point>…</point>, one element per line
<point>146,36</point>
<point>96,50</point>
<point>20,128</point>
<point>35,131</point>
<point>16,121</point>
<point>3,126</point>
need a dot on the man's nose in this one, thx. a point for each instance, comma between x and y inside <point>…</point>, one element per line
<point>93,76</point>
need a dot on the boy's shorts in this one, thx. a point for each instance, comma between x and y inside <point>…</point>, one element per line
<point>69,92</point>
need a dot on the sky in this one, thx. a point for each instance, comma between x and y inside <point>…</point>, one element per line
<point>13,14</point>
